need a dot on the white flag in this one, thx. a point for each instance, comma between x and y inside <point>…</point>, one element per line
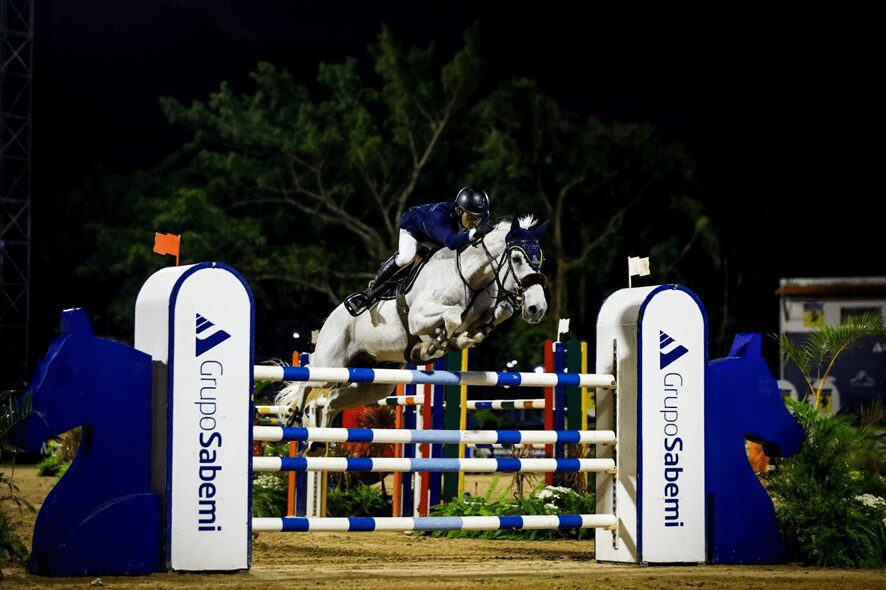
<point>562,327</point>
<point>638,266</point>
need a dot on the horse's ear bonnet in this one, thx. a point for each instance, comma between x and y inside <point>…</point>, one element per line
<point>527,241</point>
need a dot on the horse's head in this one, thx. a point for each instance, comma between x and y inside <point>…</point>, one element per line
<point>524,278</point>
<point>53,403</point>
<point>78,382</point>
<point>752,397</point>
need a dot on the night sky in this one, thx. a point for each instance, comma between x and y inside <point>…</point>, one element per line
<point>780,110</point>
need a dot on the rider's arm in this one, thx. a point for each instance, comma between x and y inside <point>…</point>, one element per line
<point>438,228</point>
<point>458,240</point>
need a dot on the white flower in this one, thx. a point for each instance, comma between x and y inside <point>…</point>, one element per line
<point>553,492</point>
<point>872,501</point>
<point>551,506</point>
<point>269,480</point>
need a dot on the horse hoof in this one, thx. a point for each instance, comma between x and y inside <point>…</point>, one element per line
<point>294,418</point>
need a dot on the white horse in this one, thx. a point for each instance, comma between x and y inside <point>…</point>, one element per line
<point>455,302</point>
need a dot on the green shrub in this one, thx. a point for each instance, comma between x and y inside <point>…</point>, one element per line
<point>827,503</point>
<point>359,500</point>
<point>269,494</point>
<point>12,550</point>
<point>543,500</point>
<point>53,465</point>
<point>14,407</point>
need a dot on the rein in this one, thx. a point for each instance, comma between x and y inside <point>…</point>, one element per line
<point>515,297</point>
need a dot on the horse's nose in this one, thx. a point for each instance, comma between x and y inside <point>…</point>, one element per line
<point>533,310</point>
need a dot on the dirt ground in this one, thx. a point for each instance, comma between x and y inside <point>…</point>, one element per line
<point>376,561</point>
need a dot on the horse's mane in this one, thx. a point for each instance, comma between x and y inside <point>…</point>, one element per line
<point>496,235</point>
<point>526,221</point>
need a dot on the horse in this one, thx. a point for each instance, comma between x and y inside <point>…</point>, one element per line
<point>744,402</point>
<point>455,302</point>
<point>102,517</point>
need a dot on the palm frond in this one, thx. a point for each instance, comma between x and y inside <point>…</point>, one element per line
<point>13,409</point>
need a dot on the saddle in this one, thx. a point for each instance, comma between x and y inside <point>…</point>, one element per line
<point>398,285</point>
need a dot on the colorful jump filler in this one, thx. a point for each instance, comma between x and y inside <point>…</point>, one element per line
<point>664,486</point>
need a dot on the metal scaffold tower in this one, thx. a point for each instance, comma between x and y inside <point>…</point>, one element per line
<point>16,74</point>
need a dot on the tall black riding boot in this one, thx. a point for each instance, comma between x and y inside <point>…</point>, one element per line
<point>357,303</point>
<point>385,272</point>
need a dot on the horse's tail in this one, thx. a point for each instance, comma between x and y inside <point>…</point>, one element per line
<point>292,396</point>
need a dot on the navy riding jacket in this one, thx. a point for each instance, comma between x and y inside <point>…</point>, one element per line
<point>437,223</point>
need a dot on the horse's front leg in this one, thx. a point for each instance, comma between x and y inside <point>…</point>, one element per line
<point>474,330</point>
<point>470,338</point>
<point>447,332</point>
<point>437,320</point>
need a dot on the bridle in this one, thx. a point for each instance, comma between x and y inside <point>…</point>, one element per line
<point>514,297</point>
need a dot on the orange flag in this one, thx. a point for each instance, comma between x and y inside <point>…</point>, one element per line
<point>167,244</point>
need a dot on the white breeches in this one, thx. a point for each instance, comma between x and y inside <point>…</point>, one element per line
<point>406,248</point>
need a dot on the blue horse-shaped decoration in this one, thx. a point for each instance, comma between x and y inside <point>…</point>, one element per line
<point>101,518</point>
<point>743,401</point>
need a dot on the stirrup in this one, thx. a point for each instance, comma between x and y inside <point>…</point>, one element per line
<point>357,303</point>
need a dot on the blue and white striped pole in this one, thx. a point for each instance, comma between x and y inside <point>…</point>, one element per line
<point>432,465</point>
<point>388,436</point>
<point>473,404</point>
<point>436,523</point>
<point>393,376</point>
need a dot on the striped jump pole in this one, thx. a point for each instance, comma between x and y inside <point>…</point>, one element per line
<point>529,446</point>
<point>262,410</point>
<point>432,465</point>
<point>262,421</point>
<point>394,376</point>
<point>380,435</point>
<point>475,404</point>
<point>436,523</point>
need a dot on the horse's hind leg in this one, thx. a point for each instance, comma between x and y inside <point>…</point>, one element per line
<point>293,397</point>
<point>330,351</point>
<point>321,415</point>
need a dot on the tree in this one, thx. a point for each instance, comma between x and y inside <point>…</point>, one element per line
<point>595,181</point>
<point>301,188</point>
<point>338,165</point>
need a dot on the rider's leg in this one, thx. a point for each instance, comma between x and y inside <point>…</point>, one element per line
<point>385,271</point>
<point>356,303</point>
<point>406,249</point>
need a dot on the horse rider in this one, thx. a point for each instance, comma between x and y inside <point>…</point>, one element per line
<point>453,224</point>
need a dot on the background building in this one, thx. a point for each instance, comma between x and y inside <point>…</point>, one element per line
<point>859,377</point>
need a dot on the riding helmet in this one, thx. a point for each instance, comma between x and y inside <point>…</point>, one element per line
<point>473,200</point>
